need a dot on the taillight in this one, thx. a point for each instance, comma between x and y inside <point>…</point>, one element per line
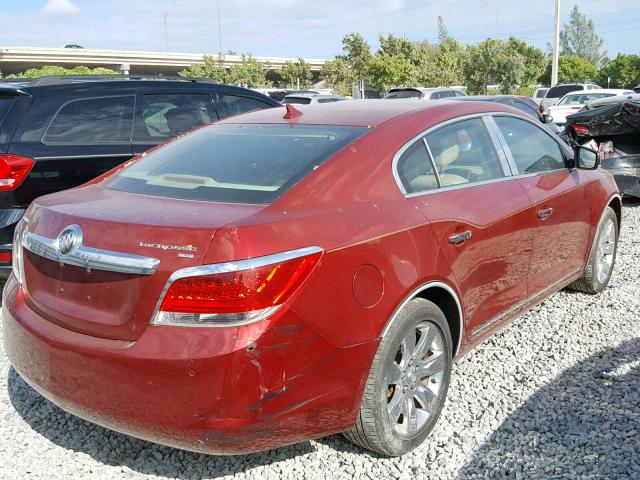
<point>236,292</point>
<point>580,130</point>
<point>13,170</point>
<point>5,257</point>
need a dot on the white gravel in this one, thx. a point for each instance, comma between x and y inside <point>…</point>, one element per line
<point>554,395</point>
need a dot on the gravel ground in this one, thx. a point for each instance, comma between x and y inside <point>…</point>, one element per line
<point>554,395</point>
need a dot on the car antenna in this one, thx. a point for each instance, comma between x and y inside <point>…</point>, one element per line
<point>292,112</point>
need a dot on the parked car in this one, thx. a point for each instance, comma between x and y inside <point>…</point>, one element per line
<point>278,95</point>
<point>573,102</point>
<point>59,132</point>
<point>296,272</point>
<point>539,94</point>
<point>525,104</point>
<point>636,89</point>
<point>423,93</point>
<point>612,127</point>
<point>556,92</point>
<point>310,98</point>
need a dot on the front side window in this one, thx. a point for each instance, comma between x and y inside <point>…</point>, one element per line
<point>525,107</point>
<point>459,93</point>
<point>415,170</point>
<point>237,163</point>
<point>92,120</point>
<point>236,105</point>
<point>581,99</point>
<point>170,114</point>
<point>463,153</point>
<point>533,150</point>
<point>446,93</point>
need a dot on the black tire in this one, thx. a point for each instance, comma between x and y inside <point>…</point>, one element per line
<point>373,429</point>
<point>589,282</point>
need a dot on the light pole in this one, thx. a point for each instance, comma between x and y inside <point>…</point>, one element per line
<point>220,56</point>
<point>166,35</point>
<point>556,47</point>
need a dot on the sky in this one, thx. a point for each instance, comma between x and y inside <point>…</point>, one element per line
<point>288,28</point>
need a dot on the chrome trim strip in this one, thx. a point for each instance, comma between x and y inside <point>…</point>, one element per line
<point>71,157</point>
<point>88,257</point>
<point>415,293</point>
<point>227,267</point>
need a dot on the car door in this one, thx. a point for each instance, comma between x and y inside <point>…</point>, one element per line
<point>162,115</point>
<point>460,179</point>
<point>560,207</point>
<point>79,140</point>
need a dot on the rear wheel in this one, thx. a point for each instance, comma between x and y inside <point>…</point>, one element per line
<point>599,266</point>
<point>408,382</point>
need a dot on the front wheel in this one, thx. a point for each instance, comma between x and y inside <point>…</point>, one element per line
<point>599,268</point>
<point>408,382</point>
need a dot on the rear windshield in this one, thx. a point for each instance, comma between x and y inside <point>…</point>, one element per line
<point>562,90</point>
<point>298,100</point>
<point>234,163</point>
<point>396,94</point>
<point>5,106</point>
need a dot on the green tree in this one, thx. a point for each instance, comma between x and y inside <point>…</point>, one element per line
<point>387,71</point>
<point>57,70</point>
<point>294,74</point>
<point>579,37</point>
<point>572,68</point>
<point>446,67</point>
<point>533,59</point>
<point>338,75</point>
<point>249,72</point>
<point>511,67</point>
<point>357,54</point>
<point>483,64</point>
<point>412,51</point>
<point>624,71</point>
<point>211,69</point>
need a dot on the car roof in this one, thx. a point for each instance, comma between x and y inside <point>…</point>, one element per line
<point>365,113</point>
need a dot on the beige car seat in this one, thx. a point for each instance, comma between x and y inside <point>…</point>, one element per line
<point>444,158</point>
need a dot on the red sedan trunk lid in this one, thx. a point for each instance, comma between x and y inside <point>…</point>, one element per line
<point>113,304</point>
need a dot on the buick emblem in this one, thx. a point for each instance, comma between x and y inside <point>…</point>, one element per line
<point>69,238</point>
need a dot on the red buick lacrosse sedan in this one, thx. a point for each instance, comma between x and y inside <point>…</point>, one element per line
<point>289,274</point>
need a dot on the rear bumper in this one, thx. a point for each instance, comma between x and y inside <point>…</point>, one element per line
<point>223,391</point>
<point>626,172</point>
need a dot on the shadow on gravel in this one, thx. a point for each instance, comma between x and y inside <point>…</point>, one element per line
<point>586,423</point>
<point>116,449</point>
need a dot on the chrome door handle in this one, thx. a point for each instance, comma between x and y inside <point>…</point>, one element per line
<point>458,238</point>
<point>545,213</point>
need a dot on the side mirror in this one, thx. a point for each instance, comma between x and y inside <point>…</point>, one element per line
<point>586,159</point>
<point>546,118</point>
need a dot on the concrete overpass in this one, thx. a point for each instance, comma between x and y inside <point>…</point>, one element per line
<point>19,59</point>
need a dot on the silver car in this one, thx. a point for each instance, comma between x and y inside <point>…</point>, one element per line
<point>423,93</point>
<point>309,98</point>
<point>555,93</point>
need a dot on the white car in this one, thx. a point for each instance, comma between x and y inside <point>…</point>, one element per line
<point>310,98</point>
<point>539,94</point>
<point>423,93</point>
<point>573,102</point>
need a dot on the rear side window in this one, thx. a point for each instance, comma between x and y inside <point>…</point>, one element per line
<point>541,93</point>
<point>415,169</point>
<point>5,106</point>
<point>92,120</point>
<point>234,163</point>
<point>167,115</point>
<point>236,105</point>
<point>463,153</point>
<point>446,94</point>
<point>533,150</point>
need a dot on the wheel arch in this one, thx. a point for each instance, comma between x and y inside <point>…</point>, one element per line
<point>615,202</point>
<point>446,299</point>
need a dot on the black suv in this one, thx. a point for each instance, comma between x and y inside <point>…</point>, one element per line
<point>59,132</point>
